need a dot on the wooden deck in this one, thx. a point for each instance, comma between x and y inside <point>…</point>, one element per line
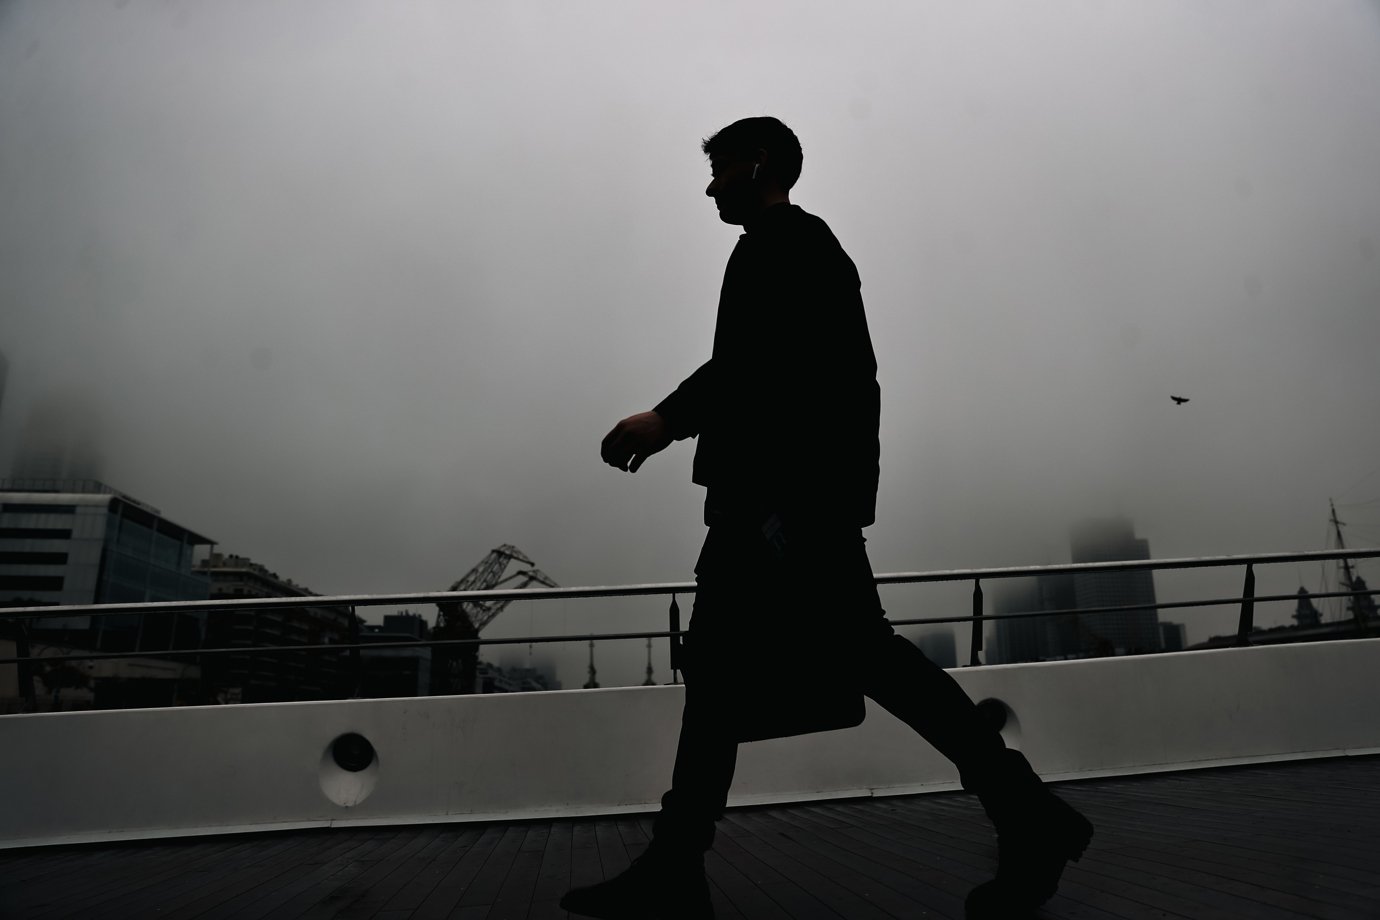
<point>1278,841</point>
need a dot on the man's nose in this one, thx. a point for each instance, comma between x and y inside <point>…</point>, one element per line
<point>709,190</point>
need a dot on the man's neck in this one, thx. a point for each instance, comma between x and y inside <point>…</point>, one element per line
<point>767,205</point>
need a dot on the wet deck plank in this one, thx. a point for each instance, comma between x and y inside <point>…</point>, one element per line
<point>1275,842</point>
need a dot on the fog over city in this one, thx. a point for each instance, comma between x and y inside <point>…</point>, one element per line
<point>355,289</point>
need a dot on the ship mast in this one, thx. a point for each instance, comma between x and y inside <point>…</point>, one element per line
<point>593,682</point>
<point>1349,581</point>
<point>650,681</point>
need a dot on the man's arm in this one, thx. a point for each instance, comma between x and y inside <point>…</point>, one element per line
<point>677,416</point>
<point>684,409</point>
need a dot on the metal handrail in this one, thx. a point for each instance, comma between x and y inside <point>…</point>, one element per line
<point>1247,602</point>
<point>652,634</point>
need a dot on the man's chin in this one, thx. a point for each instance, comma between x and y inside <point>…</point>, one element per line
<point>728,218</point>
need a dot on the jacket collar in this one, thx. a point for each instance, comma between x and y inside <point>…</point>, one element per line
<point>772,217</point>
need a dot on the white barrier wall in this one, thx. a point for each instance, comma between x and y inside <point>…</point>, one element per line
<point>124,774</point>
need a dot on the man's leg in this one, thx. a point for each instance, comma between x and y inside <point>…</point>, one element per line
<point>923,695</point>
<point>705,759</point>
<point>667,881</point>
<point>726,577</point>
<point>1037,833</point>
<point>896,674</point>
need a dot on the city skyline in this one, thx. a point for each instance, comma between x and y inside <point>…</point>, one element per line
<point>1007,640</point>
<point>357,290</point>
<point>1083,635</point>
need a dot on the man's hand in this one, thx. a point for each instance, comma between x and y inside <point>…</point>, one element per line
<point>633,440</point>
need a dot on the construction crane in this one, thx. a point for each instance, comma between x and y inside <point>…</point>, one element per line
<point>454,668</point>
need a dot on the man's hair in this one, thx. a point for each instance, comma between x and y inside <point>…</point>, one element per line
<point>746,136</point>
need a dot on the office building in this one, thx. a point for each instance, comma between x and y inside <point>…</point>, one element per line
<point>271,676</point>
<point>390,672</point>
<point>82,542</point>
<point>1129,631</point>
<point>495,679</point>
<point>59,440</point>
<point>1034,638</point>
<point>1076,634</point>
<point>939,647</point>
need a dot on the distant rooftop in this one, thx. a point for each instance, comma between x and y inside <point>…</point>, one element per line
<point>22,485</point>
<point>229,562</point>
<point>72,487</point>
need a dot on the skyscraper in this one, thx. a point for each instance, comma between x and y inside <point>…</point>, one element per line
<point>1077,634</point>
<point>1044,638</point>
<point>1122,632</point>
<point>940,647</point>
<point>60,440</point>
<point>1174,636</point>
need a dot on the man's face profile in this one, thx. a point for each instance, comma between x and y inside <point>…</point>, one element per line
<point>732,187</point>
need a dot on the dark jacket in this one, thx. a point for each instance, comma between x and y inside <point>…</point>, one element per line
<point>787,407</point>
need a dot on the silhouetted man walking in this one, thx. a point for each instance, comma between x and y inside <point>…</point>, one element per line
<point>786,412</point>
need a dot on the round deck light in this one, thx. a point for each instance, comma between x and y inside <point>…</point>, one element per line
<point>349,769</point>
<point>352,752</point>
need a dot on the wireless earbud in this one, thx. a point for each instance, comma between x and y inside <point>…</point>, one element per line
<point>755,167</point>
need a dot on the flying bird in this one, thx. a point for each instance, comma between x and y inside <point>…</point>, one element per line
<point>1179,400</point>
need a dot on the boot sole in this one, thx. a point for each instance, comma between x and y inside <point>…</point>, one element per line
<point>1079,833</point>
<point>1069,835</point>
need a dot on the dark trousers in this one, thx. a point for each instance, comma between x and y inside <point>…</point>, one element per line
<point>815,585</point>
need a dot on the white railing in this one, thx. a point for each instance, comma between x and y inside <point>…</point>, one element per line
<point>125,774</point>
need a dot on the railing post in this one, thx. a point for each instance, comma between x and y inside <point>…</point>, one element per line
<point>976,644</point>
<point>1243,628</point>
<point>356,660</point>
<point>252,668</point>
<point>675,641</point>
<point>24,672</point>
<point>207,691</point>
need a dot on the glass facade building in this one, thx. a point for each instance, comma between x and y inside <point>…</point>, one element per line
<point>81,542</point>
<point>1131,631</point>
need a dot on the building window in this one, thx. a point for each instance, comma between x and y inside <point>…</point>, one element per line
<point>35,533</point>
<point>30,582</point>
<point>38,509</point>
<point>23,558</point>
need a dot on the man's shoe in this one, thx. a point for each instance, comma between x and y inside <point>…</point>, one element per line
<point>659,885</point>
<point>1032,852</point>
<point>1037,834</point>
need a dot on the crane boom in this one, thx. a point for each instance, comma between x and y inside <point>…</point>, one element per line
<point>454,668</point>
<point>486,576</point>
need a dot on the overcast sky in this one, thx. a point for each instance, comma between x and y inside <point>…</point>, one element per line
<point>355,289</point>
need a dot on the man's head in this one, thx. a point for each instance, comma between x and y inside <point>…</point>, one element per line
<point>754,163</point>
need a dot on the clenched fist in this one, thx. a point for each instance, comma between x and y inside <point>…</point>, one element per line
<point>633,440</point>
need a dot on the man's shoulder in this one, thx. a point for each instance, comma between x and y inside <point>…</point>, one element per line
<point>803,227</point>
<point>803,218</point>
